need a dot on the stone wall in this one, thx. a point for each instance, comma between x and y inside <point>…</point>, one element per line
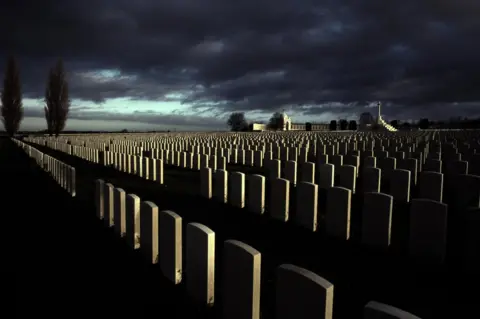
<point>293,127</point>
<point>315,127</point>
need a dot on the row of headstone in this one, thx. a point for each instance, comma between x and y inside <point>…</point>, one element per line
<point>430,184</point>
<point>300,293</point>
<point>428,218</point>
<point>145,167</point>
<point>255,158</point>
<point>430,187</point>
<point>237,154</point>
<point>62,173</point>
<point>464,188</point>
<point>401,179</point>
<point>351,140</point>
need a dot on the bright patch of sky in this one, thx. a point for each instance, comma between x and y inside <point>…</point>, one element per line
<point>208,47</point>
<point>327,32</point>
<point>108,75</point>
<point>117,108</point>
<point>126,105</point>
<point>118,105</point>
<point>38,124</point>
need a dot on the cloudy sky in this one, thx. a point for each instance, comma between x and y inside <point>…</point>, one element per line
<point>187,64</point>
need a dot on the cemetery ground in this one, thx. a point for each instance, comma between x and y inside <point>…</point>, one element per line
<point>358,274</point>
<point>66,263</point>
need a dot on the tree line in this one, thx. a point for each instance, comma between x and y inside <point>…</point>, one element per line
<point>462,123</point>
<point>57,101</point>
<point>237,122</point>
<point>343,125</point>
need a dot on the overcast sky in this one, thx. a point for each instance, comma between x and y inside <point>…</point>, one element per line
<point>187,64</point>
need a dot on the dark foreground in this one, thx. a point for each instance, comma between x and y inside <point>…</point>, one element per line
<point>93,272</point>
<point>67,265</point>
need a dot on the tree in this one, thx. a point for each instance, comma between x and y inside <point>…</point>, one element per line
<point>308,126</point>
<point>237,122</point>
<point>424,124</point>
<point>343,125</point>
<point>56,99</point>
<point>276,121</point>
<point>333,125</point>
<point>352,125</point>
<point>394,123</point>
<point>12,108</point>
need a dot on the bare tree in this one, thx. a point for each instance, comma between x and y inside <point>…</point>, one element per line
<point>12,108</point>
<point>56,99</point>
<point>352,125</point>
<point>237,122</point>
<point>343,124</point>
<point>333,125</point>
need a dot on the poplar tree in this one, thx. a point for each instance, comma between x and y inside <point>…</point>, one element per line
<point>12,108</point>
<point>57,102</point>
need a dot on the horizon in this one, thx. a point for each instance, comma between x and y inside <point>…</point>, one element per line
<point>154,129</point>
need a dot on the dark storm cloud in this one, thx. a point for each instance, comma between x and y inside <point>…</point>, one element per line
<point>418,56</point>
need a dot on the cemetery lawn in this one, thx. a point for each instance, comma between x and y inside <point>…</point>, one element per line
<point>359,275</point>
<point>66,263</point>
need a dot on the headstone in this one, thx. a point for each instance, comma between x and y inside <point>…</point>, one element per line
<point>200,263</point>
<point>307,203</point>
<point>274,169</point>
<point>220,186</point>
<point>308,172</point>
<point>256,194</point>
<point>431,186</point>
<point>301,293</point>
<point>149,231</point>
<point>99,197</point>
<point>119,211</point>
<point>108,207</point>
<point>132,221</point>
<point>171,245</point>
<point>337,218</point>
<point>291,172</point>
<point>371,179</point>
<point>377,310</point>
<point>370,161</point>
<point>237,189</point>
<point>387,165</point>
<point>428,229</point>
<point>377,219</point>
<point>206,182</point>
<point>326,176</point>
<point>280,199</point>
<point>400,185</point>
<point>348,177</point>
<point>241,281</point>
